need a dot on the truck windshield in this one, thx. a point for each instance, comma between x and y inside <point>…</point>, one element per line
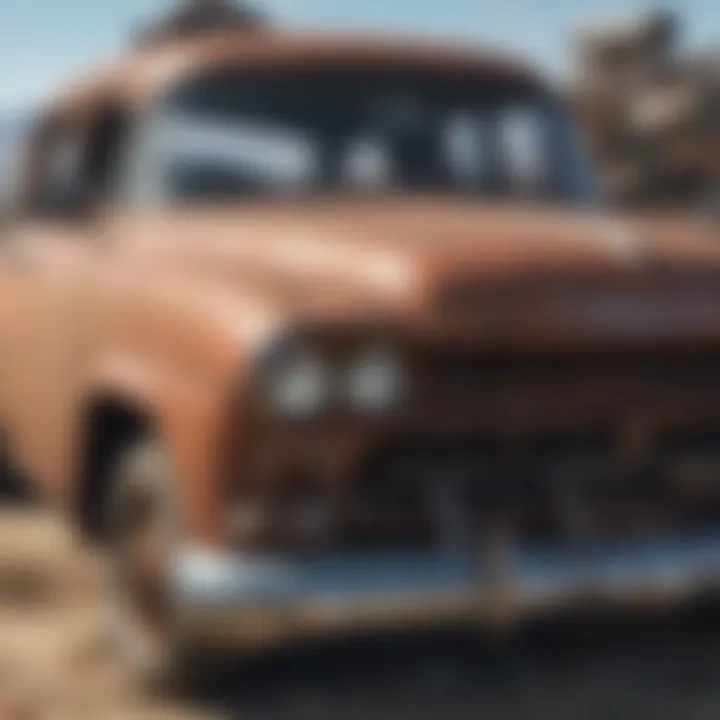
<point>360,133</point>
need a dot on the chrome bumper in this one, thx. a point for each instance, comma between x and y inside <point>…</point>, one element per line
<point>259,602</point>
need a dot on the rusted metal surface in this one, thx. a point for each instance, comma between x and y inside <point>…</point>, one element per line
<point>169,308</point>
<point>551,321</point>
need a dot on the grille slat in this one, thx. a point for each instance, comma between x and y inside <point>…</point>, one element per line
<point>550,486</point>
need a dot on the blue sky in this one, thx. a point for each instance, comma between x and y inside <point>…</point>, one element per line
<point>43,42</point>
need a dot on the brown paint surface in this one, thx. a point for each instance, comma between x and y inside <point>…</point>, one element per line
<point>167,310</point>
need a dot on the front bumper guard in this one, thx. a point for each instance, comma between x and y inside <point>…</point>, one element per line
<point>252,601</point>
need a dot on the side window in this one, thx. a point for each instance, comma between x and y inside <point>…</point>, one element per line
<point>77,164</point>
<point>103,159</point>
<point>56,180</point>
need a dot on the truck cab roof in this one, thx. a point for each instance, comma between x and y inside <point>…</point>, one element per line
<point>147,72</point>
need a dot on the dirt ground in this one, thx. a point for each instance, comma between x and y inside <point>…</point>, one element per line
<point>56,662</point>
<point>55,657</point>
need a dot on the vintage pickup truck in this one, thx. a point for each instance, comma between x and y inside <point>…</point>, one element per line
<point>318,335</point>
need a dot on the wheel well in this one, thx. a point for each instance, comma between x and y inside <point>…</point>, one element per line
<point>110,426</point>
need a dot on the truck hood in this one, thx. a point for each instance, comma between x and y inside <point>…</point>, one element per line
<point>506,268</point>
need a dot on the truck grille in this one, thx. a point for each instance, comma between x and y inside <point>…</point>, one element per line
<point>550,486</point>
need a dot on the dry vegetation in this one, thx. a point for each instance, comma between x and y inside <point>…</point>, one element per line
<point>55,660</point>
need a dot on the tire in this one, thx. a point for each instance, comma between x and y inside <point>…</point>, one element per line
<point>144,535</point>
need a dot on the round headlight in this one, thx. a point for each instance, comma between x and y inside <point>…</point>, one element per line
<point>375,380</point>
<point>299,384</point>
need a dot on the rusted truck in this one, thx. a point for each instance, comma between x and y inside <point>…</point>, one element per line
<point>318,335</point>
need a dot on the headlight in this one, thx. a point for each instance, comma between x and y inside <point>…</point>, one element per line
<point>375,380</point>
<point>298,384</point>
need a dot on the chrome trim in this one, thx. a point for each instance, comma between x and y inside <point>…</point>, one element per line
<point>283,597</point>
